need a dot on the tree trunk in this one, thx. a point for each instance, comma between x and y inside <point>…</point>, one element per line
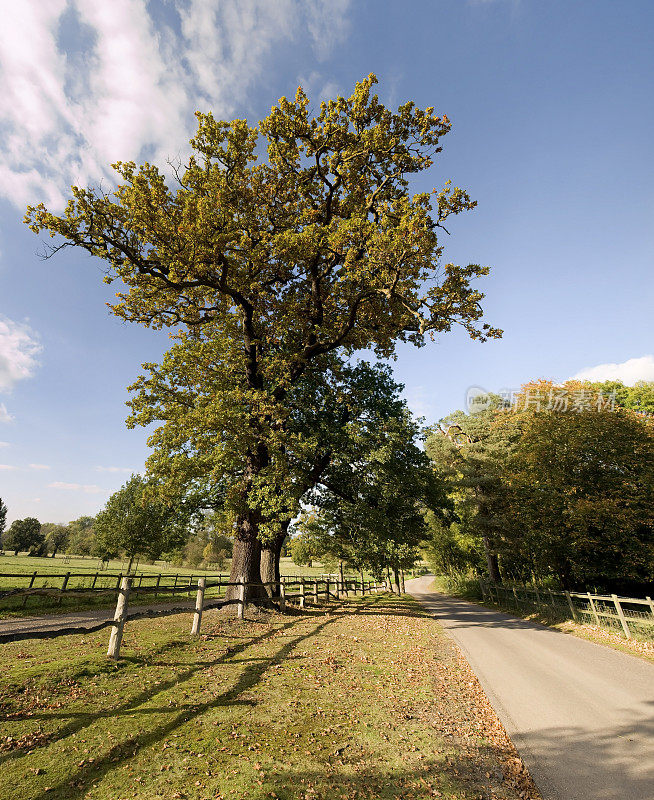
<point>270,555</point>
<point>246,559</point>
<point>340,566</point>
<point>129,566</point>
<point>397,579</point>
<point>491,562</point>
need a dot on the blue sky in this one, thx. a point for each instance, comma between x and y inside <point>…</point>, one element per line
<point>553,123</point>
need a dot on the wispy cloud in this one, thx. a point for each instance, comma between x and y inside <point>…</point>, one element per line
<point>113,469</point>
<point>630,371</point>
<point>39,466</point>
<point>78,487</point>
<point>19,347</point>
<point>4,444</point>
<point>89,83</point>
<point>7,466</point>
<point>5,416</point>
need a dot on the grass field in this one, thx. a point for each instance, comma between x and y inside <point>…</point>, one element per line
<point>364,699</point>
<point>50,570</point>
<point>26,565</point>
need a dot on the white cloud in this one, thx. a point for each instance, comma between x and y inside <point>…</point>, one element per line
<point>5,416</point>
<point>78,487</point>
<point>19,347</point>
<point>7,466</point>
<point>88,83</point>
<point>4,444</point>
<point>39,466</point>
<point>630,371</point>
<point>113,469</point>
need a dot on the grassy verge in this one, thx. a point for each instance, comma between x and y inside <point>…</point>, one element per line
<point>364,699</point>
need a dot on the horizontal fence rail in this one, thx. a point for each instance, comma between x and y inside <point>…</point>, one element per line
<point>628,615</point>
<point>209,593</point>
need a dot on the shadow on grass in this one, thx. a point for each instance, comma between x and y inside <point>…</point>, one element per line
<point>77,784</point>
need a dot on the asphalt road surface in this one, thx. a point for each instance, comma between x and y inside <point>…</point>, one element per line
<point>580,714</point>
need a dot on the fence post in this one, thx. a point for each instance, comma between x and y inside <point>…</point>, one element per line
<point>282,595</point>
<point>591,603</point>
<point>515,597</point>
<point>623,619</point>
<point>315,591</point>
<point>651,604</point>
<point>199,603</point>
<point>337,589</point>
<point>573,610</point>
<point>240,608</point>
<point>301,593</point>
<point>119,619</point>
<point>95,578</point>
<point>118,581</point>
<point>552,603</point>
<point>64,583</point>
<point>33,578</point>
<point>156,586</point>
<point>327,590</point>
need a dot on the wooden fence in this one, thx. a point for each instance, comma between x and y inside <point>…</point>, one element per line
<point>298,591</point>
<point>630,615</point>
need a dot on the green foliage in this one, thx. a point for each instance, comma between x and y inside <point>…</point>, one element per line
<point>56,536</point>
<point>133,523</point>
<point>25,534</point>
<point>266,266</point>
<point>639,397</point>
<point>3,516</point>
<point>304,549</point>
<point>82,537</point>
<point>558,486</point>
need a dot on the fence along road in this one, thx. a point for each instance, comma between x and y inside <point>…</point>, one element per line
<point>580,714</point>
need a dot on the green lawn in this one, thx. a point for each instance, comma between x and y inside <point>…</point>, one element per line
<point>364,699</point>
<point>89,571</point>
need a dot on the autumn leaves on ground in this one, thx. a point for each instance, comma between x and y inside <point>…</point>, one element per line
<point>363,699</point>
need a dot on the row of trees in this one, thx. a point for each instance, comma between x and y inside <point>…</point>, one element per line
<point>273,255</point>
<point>558,485</point>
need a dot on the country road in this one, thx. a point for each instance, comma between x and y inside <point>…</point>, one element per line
<point>580,714</point>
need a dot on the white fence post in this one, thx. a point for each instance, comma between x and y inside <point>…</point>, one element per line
<point>623,620</point>
<point>119,620</point>
<point>301,592</point>
<point>199,604</point>
<point>240,608</point>
<point>282,595</point>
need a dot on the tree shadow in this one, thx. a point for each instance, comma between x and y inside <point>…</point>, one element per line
<point>77,785</point>
<point>83,719</point>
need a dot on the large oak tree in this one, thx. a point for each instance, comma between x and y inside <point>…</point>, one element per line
<point>284,241</point>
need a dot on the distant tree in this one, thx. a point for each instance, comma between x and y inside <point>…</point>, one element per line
<point>218,550</point>
<point>304,549</point>
<point>56,537</point>
<point>3,522</point>
<point>137,525</point>
<point>82,537</point>
<point>25,534</point>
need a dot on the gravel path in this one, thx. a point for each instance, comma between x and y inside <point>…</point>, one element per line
<point>580,714</point>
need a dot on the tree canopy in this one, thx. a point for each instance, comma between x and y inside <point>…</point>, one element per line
<point>558,485</point>
<point>277,260</point>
